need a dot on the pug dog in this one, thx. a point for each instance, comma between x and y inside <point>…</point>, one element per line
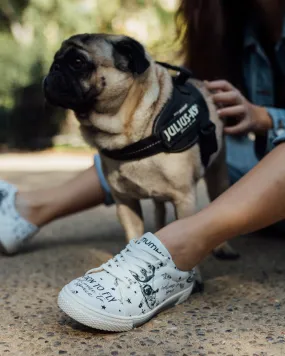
<point>116,91</point>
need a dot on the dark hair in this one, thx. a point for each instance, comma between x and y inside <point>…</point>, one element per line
<point>212,32</point>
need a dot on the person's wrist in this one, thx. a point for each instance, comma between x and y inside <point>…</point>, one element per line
<point>263,121</point>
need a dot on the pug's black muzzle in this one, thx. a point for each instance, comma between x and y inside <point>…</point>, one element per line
<point>61,89</point>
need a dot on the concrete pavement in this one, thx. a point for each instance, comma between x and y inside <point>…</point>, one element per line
<point>241,311</point>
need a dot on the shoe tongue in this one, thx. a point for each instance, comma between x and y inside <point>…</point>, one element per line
<point>149,242</point>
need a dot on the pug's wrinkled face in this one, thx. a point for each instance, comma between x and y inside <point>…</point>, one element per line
<point>93,70</point>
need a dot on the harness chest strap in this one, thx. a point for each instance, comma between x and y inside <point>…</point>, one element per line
<point>183,122</point>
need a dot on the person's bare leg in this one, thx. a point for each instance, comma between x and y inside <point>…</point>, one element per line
<point>42,206</point>
<point>256,201</point>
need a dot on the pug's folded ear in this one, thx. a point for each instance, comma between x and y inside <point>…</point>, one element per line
<point>132,52</point>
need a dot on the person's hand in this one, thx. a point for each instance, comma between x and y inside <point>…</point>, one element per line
<point>231,103</point>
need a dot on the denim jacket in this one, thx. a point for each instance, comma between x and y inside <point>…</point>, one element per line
<point>259,82</point>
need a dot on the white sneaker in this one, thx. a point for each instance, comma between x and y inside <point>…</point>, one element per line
<point>129,289</point>
<point>14,230</point>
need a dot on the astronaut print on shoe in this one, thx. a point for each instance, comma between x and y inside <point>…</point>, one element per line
<point>147,291</point>
<point>14,230</point>
<point>129,289</point>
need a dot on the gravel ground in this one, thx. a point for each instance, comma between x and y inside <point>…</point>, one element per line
<point>240,312</point>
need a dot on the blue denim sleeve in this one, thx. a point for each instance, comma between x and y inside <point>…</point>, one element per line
<point>277,134</point>
<point>108,196</point>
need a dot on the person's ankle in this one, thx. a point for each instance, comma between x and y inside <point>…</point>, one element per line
<point>31,208</point>
<point>184,258</point>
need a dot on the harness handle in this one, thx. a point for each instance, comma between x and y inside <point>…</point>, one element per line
<point>183,73</point>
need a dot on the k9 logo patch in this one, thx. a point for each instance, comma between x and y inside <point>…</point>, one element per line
<point>182,126</point>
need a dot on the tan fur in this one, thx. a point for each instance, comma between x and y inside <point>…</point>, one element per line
<point>124,113</point>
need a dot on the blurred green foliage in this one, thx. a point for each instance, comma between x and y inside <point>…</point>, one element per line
<point>32,30</point>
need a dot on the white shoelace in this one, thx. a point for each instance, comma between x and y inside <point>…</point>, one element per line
<point>132,259</point>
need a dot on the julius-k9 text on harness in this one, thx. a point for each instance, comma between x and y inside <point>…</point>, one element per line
<point>183,122</point>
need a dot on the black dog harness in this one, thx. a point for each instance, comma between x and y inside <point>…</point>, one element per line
<point>183,122</point>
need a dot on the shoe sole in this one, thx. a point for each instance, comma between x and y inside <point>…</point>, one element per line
<point>6,251</point>
<point>108,322</point>
<point>3,250</point>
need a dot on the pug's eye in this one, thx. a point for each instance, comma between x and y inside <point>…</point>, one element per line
<point>76,63</point>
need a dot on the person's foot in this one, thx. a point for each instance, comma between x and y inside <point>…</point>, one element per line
<point>129,289</point>
<point>14,229</point>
